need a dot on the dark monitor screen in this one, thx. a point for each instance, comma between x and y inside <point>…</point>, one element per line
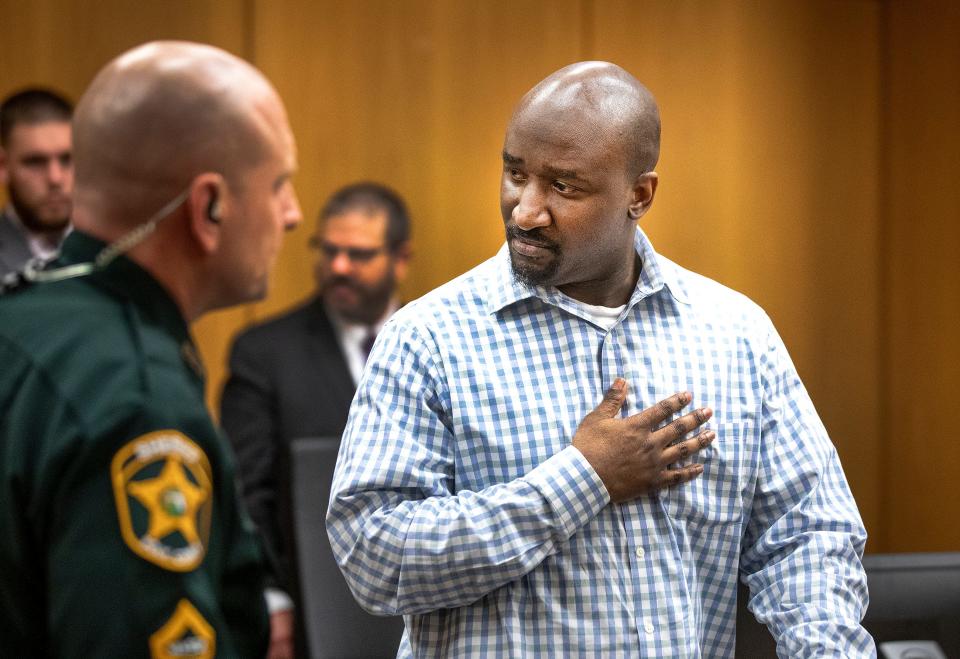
<point>915,597</point>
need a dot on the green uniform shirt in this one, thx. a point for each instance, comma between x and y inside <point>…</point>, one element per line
<point>120,529</point>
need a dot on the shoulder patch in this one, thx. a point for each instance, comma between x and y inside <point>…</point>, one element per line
<point>186,635</point>
<point>162,485</point>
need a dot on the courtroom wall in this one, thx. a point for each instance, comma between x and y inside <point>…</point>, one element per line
<point>808,160</point>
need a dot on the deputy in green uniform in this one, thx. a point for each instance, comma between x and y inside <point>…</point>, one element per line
<point>121,534</point>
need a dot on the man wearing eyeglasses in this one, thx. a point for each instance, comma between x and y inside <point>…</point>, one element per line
<point>295,375</point>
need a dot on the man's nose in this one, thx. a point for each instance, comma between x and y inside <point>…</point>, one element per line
<point>292,213</point>
<point>340,263</point>
<point>531,209</point>
<point>57,172</point>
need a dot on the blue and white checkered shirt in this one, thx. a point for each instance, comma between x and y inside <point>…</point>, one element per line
<point>459,501</point>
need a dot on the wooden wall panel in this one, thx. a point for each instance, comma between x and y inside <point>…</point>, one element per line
<point>922,276</point>
<point>809,160</point>
<point>64,43</point>
<point>769,179</point>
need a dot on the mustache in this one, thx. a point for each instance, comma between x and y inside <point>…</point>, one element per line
<point>56,197</point>
<point>340,281</point>
<point>534,236</point>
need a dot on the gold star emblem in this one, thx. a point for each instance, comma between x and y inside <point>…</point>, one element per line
<point>168,475</point>
<point>171,500</point>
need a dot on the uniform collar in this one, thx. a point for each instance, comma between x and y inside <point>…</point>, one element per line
<point>656,275</point>
<point>126,279</point>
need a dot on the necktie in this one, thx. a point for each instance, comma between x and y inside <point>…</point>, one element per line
<point>367,345</point>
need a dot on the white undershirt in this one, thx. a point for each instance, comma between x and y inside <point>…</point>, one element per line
<point>39,244</point>
<point>605,317</point>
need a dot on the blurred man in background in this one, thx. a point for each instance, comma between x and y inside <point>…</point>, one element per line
<point>36,167</point>
<point>295,375</point>
<point>121,532</point>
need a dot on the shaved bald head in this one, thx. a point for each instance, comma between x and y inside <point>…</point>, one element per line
<point>184,163</point>
<point>161,114</point>
<point>606,98</point>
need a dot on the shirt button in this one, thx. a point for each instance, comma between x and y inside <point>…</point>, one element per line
<point>648,626</point>
<point>640,552</point>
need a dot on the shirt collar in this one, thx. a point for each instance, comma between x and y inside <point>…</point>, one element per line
<point>656,274</point>
<point>38,243</point>
<point>128,280</point>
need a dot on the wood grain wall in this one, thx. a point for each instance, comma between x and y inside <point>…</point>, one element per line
<point>809,160</point>
<point>920,277</point>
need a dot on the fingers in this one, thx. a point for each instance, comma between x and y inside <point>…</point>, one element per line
<point>682,426</point>
<point>663,410</point>
<point>612,400</point>
<point>682,450</point>
<point>674,477</point>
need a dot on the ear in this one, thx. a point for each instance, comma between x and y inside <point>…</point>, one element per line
<point>4,170</point>
<point>642,192</point>
<point>401,260</point>
<point>204,208</point>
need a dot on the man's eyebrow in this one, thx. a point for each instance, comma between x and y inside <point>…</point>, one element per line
<point>283,178</point>
<point>552,172</point>
<point>562,173</point>
<point>43,155</point>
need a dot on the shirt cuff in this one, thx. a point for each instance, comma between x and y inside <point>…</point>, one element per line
<point>572,487</point>
<point>277,601</point>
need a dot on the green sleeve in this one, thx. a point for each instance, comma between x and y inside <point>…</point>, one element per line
<point>143,549</point>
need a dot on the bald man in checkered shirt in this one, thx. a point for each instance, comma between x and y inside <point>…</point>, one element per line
<point>578,447</point>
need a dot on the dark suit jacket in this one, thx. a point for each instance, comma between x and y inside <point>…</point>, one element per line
<point>288,379</point>
<point>14,250</point>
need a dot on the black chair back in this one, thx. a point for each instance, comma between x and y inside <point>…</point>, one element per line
<point>336,626</point>
<point>915,597</point>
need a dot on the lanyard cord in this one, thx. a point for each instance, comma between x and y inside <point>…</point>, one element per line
<point>33,271</point>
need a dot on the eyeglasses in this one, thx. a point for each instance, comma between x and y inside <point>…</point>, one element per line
<point>353,254</point>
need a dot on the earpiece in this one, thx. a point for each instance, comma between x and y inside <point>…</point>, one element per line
<point>213,210</point>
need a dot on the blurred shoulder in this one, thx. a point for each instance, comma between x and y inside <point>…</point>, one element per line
<point>288,323</point>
